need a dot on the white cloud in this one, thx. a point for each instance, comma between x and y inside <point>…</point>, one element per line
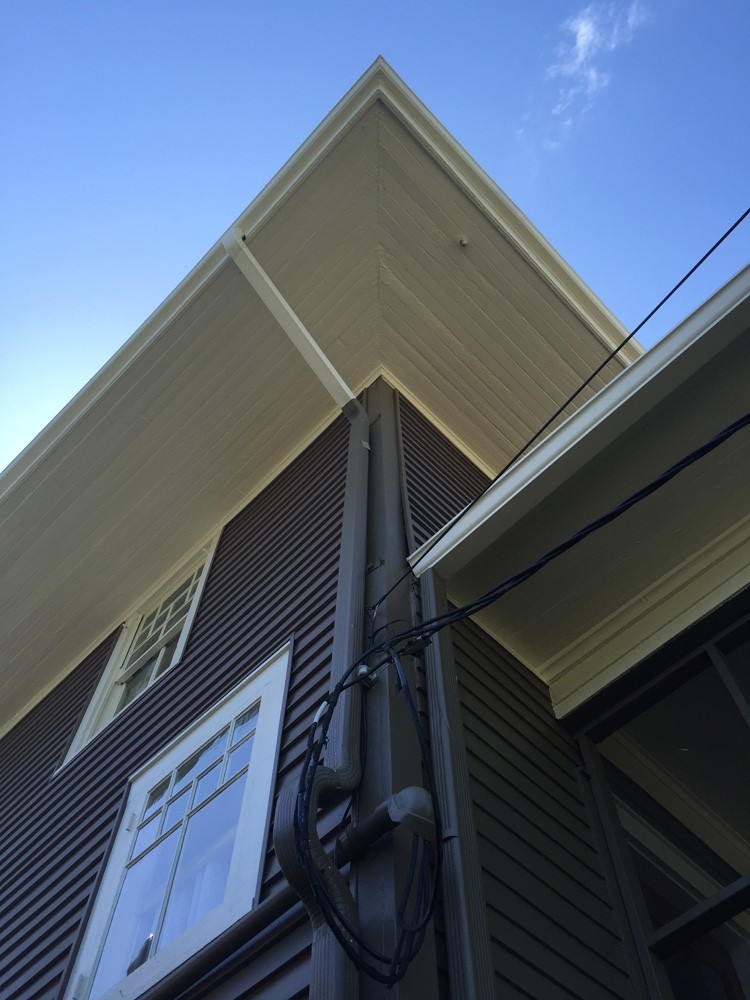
<point>590,34</point>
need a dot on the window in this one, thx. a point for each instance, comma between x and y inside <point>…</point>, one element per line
<point>186,861</point>
<point>151,641</point>
<point>673,764</point>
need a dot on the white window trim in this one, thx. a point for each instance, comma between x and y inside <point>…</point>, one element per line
<point>267,683</point>
<point>100,711</point>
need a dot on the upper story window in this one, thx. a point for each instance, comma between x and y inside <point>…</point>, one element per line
<point>186,860</point>
<point>152,641</point>
<point>157,638</point>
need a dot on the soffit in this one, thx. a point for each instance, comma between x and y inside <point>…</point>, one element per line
<point>209,400</point>
<point>621,593</point>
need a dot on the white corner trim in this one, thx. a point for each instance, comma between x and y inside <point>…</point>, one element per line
<point>288,320</point>
<point>663,610</point>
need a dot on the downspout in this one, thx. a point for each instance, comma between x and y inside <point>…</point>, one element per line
<point>470,967</point>
<point>333,975</point>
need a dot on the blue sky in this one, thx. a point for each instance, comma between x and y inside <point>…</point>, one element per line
<point>134,132</point>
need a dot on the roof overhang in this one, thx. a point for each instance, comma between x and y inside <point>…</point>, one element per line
<point>400,257</point>
<point>600,608</point>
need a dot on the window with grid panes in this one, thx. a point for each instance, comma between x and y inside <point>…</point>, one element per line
<point>186,860</point>
<point>151,642</point>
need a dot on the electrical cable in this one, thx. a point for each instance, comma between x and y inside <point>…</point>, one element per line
<point>407,642</point>
<point>561,409</point>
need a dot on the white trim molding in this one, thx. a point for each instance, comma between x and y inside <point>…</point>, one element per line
<point>651,618</point>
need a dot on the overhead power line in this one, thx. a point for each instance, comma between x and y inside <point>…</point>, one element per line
<point>561,409</point>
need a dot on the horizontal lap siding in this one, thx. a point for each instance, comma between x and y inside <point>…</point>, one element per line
<point>440,481</point>
<point>273,577</point>
<point>552,928</point>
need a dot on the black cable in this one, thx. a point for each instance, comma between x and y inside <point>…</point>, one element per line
<point>395,646</point>
<point>561,409</point>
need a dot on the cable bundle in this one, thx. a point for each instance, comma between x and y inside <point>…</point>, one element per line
<point>423,876</point>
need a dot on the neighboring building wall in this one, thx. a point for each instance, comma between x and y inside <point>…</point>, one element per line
<point>552,926</point>
<point>273,576</point>
<point>439,479</point>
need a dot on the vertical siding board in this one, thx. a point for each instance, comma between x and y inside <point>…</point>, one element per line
<point>439,479</point>
<point>273,577</point>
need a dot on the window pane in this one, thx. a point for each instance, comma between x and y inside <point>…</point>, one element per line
<point>207,784</point>
<point>239,757</point>
<point>136,915</point>
<point>164,659</point>
<point>200,760</point>
<point>715,967</point>
<point>736,650</point>
<point>245,724</point>
<point>176,809</point>
<point>682,801</point>
<point>203,867</point>
<point>137,683</point>
<point>146,835</point>
<point>157,795</point>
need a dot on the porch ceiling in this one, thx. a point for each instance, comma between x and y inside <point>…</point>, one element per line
<point>621,593</point>
<point>364,233</point>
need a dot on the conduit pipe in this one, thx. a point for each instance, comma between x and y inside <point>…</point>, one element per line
<point>204,969</point>
<point>333,974</point>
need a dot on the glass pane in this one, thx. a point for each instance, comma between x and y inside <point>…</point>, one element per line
<point>736,651</point>
<point>200,760</point>
<point>157,795</point>
<point>181,592</point>
<point>165,656</point>
<point>137,683</point>
<point>239,757</point>
<point>682,765</point>
<point>203,866</point>
<point>245,724</point>
<point>715,967</point>
<point>176,809</point>
<point>134,921</point>
<point>207,784</point>
<point>146,835</point>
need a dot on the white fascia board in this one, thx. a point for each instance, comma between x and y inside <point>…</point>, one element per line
<point>304,160</point>
<point>379,82</point>
<point>508,218</point>
<point>107,376</point>
<point>590,429</point>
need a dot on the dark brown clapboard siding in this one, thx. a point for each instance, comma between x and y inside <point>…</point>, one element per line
<point>439,479</point>
<point>273,578</point>
<point>552,928</point>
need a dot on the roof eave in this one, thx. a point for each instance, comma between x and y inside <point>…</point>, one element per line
<point>590,429</point>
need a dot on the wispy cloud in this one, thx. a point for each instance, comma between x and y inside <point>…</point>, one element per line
<point>590,35</point>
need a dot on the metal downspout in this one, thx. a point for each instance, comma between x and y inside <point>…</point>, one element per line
<point>333,976</point>
<point>470,967</point>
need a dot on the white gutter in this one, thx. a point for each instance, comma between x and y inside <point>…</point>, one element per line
<point>288,320</point>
